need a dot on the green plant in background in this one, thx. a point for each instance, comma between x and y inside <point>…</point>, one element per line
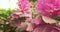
<point>4,14</point>
<point>33,2</point>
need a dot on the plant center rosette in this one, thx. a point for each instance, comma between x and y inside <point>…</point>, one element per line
<point>47,19</point>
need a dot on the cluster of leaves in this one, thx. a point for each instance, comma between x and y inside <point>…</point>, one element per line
<point>39,24</point>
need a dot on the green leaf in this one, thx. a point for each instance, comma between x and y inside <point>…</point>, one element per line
<point>4,14</point>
